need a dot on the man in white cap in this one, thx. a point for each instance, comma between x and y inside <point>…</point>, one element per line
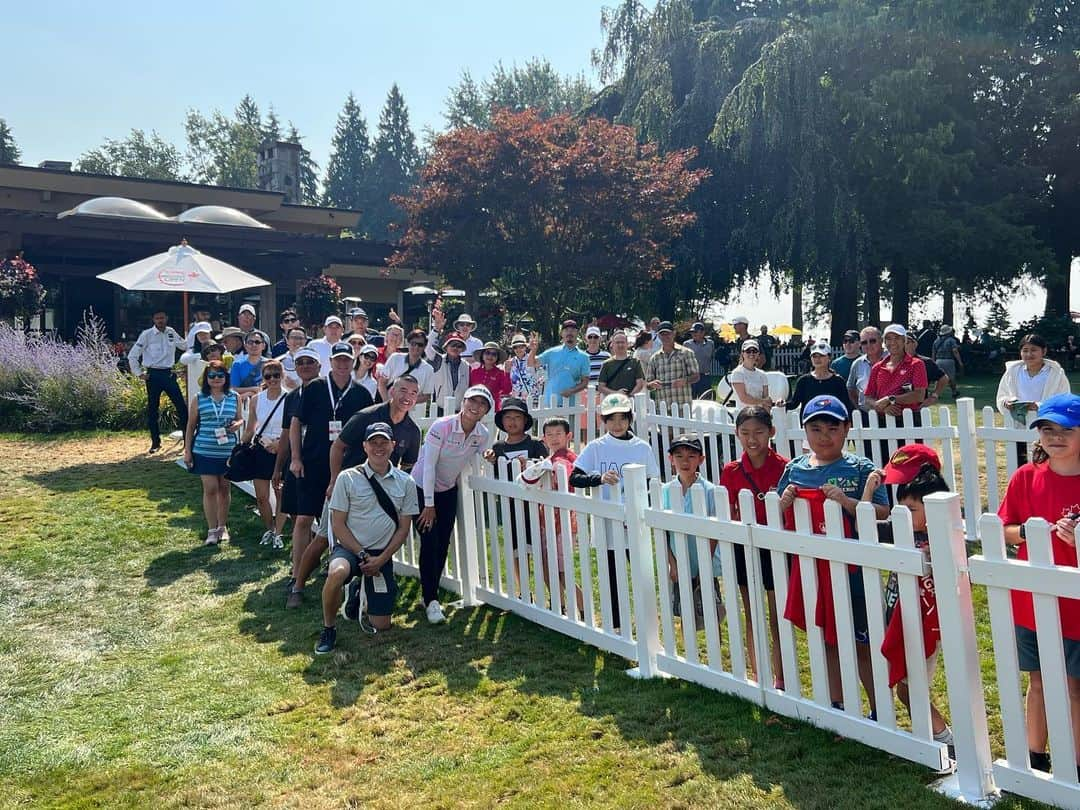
<point>741,325</point>
<point>245,318</point>
<point>873,350</point>
<point>332,333</point>
<point>594,348</point>
<point>464,326</point>
<point>898,382</point>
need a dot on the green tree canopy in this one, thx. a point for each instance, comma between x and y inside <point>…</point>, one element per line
<point>9,149</point>
<point>535,86</point>
<point>137,155</point>
<point>556,214</point>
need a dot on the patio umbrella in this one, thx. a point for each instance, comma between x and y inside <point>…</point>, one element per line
<point>785,329</point>
<point>182,269</point>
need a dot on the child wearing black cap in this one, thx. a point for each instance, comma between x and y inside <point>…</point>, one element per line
<point>514,419</point>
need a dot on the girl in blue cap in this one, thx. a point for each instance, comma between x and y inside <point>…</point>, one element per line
<point>1048,487</point>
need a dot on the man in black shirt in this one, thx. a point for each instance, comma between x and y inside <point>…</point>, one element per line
<point>307,369</point>
<point>347,451</point>
<point>327,404</point>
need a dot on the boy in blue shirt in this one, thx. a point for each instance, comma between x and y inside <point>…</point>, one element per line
<point>686,454</point>
<point>827,472</point>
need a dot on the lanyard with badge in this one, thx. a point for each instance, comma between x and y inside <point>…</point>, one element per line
<point>220,434</point>
<point>335,423</point>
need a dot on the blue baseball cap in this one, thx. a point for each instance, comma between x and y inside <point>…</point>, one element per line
<point>824,405</point>
<point>379,429</point>
<point>1061,409</point>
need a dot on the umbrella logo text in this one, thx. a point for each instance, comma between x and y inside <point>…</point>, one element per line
<point>172,276</point>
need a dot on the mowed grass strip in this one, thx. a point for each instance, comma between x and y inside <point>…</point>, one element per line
<point>138,668</point>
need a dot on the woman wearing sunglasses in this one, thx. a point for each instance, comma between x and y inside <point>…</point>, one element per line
<point>265,410</point>
<point>208,443</point>
<point>366,369</point>
<point>247,371</point>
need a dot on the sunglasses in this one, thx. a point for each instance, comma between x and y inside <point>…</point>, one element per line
<point>216,375</point>
<point>289,320</point>
<point>851,340</point>
<point>273,375</point>
<point>866,342</point>
<point>751,351</point>
<point>305,361</point>
<point>418,344</point>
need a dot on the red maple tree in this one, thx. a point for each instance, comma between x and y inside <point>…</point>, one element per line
<point>556,212</point>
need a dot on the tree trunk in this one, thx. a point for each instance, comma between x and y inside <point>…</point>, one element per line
<point>844,307</point>
<point>872,296</point>
<point>901,294</point>
<point>1057,286</point>
<point>796,303</point>
<point>948,311</point>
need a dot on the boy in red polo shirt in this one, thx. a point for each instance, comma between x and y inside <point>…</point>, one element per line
<point>898,382</point>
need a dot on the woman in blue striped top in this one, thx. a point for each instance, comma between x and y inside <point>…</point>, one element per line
<point>208,443</point>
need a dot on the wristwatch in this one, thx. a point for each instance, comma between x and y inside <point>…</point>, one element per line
<point>1023,532</point>
<point>892,400</point>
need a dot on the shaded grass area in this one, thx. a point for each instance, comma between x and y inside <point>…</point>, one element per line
<point>139,668</point>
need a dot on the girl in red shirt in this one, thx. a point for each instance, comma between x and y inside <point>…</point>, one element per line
<point>1048,487</point>
<point>758,470</point>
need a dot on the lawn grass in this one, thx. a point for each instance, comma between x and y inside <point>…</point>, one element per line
<point>138,668</point>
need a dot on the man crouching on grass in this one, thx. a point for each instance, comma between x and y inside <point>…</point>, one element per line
<point>370,511</point>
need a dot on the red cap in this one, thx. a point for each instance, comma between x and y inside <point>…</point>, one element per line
<point>457,337</point>
<point>907,461</point>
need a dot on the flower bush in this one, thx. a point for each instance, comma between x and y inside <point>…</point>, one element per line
<point>49,385</point>
<point>319,297</point>
<point>21,293</point>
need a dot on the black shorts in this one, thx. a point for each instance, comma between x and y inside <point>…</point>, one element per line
<point>858,606</point>
<point>310,494</point>
<point>378,604</point>
<point>766,567</point>
<point>264,463</point>
<point>288,494</point>
<point>1027,650</point>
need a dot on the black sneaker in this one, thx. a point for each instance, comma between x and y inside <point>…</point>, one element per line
<point>352,601</point>
<point>327,640</point>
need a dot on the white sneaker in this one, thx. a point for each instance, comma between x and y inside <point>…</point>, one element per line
<point>267,538</point>
<point>435,613</point>
<point>279,541</point>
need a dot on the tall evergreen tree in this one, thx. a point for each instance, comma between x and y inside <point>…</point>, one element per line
<point>9,150</point>
<point>395,161</point>
<point>271,128</point>
<point>350,159</point>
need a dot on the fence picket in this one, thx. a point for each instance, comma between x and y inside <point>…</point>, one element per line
<point>866,524</point>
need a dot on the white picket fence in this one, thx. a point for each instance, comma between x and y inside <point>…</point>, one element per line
<point>566,531</point>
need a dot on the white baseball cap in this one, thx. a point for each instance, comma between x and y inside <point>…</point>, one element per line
<point>740,319</point>
<point>247,308</point>
<point>593,330</point>
<point>480,391</point>
<point>894,329</point>
<point>821,348</point>
<point>332,319</point>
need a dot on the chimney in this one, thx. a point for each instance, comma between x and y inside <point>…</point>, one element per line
<point>56,165</point>
<point>279,168</point>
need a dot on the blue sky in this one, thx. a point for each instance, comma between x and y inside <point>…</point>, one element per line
<point>90,71</point>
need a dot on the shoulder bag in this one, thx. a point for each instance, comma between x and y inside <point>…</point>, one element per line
<point>243,461</point>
